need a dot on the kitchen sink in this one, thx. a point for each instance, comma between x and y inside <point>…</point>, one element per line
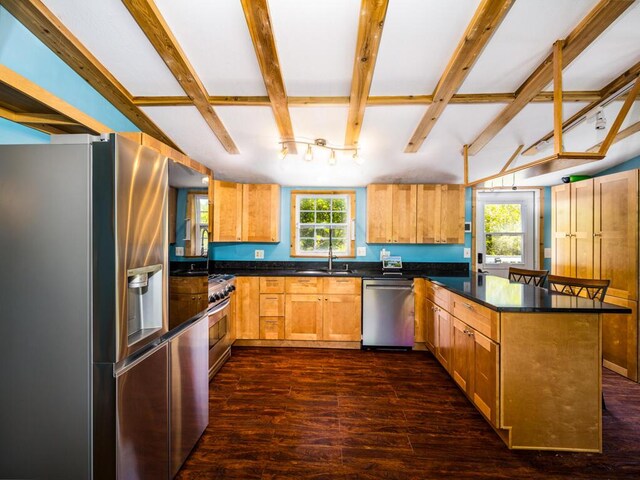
<point>325,271</point>
<point>190,273</point>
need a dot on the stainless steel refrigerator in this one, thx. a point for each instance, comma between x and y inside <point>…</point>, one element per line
<point>83,306</point>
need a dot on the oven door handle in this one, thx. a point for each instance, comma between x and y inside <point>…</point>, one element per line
<point>218,308</point>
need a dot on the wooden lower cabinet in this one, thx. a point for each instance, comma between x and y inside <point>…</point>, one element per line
<point>430,325</point>
<point>341,318</point>
<point>247,308</point>
<point>475,368</point>
<point>620,339</point>
<point>444,342</point>
<point>187,297</point>
<point>272,328</point>
<point>303,317</point>
<point>419,309</point>
<point>462,361</point>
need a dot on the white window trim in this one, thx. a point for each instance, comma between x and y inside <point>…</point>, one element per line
<point>350,227</point>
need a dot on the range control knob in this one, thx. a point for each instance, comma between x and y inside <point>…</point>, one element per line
<point>232,288</point>
<point>211,299</point>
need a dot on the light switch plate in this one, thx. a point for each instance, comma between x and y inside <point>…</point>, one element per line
<point>547,253</point>
<point>361,251</point>
<point>467,253</point>
<point>259,254</point>
<point>179,251</point>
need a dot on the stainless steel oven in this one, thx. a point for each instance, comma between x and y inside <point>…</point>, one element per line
<point>220,291</point>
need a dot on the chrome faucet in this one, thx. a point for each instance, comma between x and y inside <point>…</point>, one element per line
<point>331,256</point>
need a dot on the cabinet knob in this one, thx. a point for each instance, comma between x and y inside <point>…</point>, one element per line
<point>597,234</point>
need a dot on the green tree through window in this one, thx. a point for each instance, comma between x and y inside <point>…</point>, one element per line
<point>504,235</point>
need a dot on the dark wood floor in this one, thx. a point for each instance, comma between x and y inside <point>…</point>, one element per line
<point>303,413</point>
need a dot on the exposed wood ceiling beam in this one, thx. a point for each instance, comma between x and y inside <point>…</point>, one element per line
<point>557,96</point>
<point>607,91</point>
<point>392,100</point>
<point>622,114</point>
<point>596,22</point>
<point>151,22</point>
<point>627,132</point>
<point>34,91</point>
<point>372,15</point>
<point>36,118</point>
<point>586,156</point>
<point>46,26</point>
<point>258,19</point>
<point>484,23</point>
<point>511,158</point>
<point>563,164</point>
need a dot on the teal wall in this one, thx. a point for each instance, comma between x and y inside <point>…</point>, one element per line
<point>280,251</point>
<point>623,167</point>
<point>22,52</point>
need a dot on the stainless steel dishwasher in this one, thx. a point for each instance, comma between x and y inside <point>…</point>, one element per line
<point>387,313</point>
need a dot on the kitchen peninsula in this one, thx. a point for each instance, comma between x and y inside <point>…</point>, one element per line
<point>529,360</point>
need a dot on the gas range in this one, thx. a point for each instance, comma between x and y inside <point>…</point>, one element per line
<point>220,287</point>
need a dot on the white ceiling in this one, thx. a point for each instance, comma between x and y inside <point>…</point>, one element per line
<point>316,46</point>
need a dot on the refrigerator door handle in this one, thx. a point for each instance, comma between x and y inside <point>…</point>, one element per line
<point>128,363</point>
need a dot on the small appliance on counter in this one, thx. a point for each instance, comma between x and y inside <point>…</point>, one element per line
<point>392,265</point>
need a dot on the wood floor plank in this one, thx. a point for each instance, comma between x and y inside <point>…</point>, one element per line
<point>348,414</point>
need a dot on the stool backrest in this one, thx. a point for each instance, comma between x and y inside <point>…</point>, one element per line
<point>530,277</point>
<point>591,287</point>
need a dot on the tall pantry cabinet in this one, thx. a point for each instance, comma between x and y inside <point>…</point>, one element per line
<point>595,235</point>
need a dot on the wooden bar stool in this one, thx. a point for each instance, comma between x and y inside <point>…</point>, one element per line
<point>530,277</point>
<point>593,288</point>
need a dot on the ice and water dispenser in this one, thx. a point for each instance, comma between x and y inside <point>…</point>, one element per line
<point>144,302</point>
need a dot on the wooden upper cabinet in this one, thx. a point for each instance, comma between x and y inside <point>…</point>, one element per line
<point>440,214</point>
<point>561,230</point>
<point>581,231</point>
<point>227,211</point>
<point>379,213</point>
<point>260,213</point>
<point>616,232</point>
<point>401,213</point>
<point>451,214</point>
<point>403,222</point>
<point>428,218</point>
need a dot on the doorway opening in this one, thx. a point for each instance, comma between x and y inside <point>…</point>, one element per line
<point>507,227</point>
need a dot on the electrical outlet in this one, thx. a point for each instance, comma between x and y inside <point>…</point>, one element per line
<point>361,251</point>
<point>467,253</point>
<point>179,251</point>
<point>259,254</point>
<point>547,253</point>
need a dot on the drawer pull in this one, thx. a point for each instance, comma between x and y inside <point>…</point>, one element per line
<point>271,298</point>
<point>466,305</point>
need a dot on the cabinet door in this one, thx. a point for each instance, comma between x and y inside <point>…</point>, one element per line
<point>485,377</point>
<point>582,229</point>
<point>616,232</point>
<point>248,308</point>
<point>379,213</point>
<point>403,229</point>
<point>561,230</point>
<point>430,325</point>
<point>303,317</point>
<point>620,339</point>
<point>342,318</point>
<point>428,216</point>
<point>444,344</point>
<point>260,213</point>
<point>451,213</point>
<point>183,306</point>
<point>419,309</point>
<point>462,359</point>
<point>227,211</point>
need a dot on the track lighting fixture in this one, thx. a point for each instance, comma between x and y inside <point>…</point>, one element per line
<point>321,143</point>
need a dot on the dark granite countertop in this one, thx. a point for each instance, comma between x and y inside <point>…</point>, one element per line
<point>502,295</point>
<point>318,269</point>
